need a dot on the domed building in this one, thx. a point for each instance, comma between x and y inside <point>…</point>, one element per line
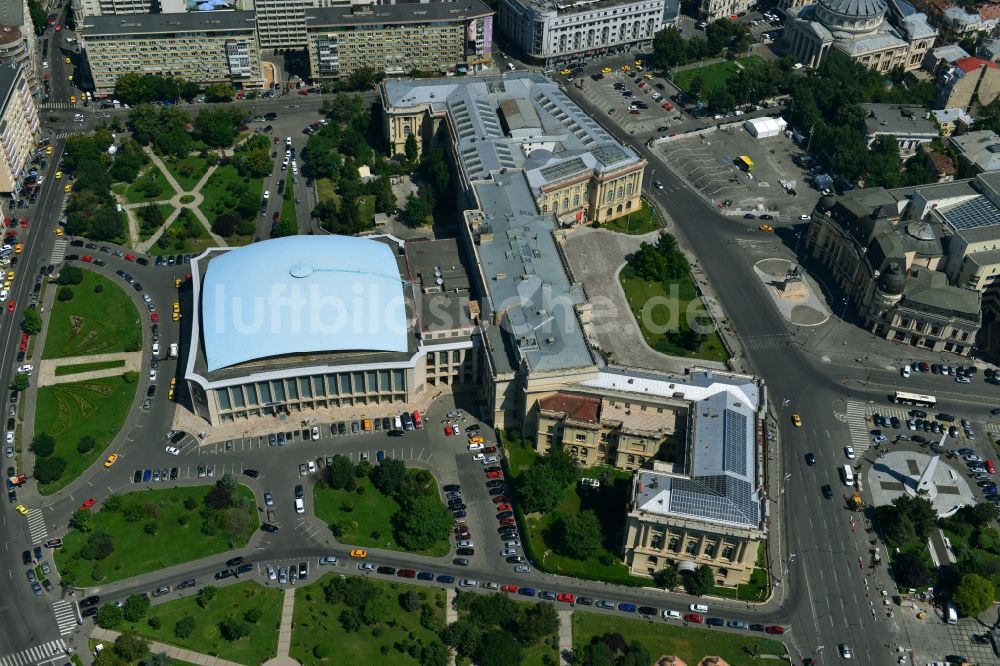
<point>860,29</point>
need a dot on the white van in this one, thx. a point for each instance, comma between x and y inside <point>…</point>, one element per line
<point>300,506</point>
<point>698,608</point>
<point>848,475</point>
<point>397,423</point>
<point>951,614</point>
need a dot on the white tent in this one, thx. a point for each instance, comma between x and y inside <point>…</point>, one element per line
<point>761,128</point>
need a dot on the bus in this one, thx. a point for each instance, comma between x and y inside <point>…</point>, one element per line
<point>745,163</point>
<point>918,399</point>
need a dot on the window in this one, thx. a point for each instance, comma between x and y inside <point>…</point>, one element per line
<point>710,549</point>
<point>278,390</point>
<point>265,392</point>
<point>674,545</point>
<point>728,551</point>
<point>251,394</point>
<point>222,395</point>
<point>580,437</point>
<point>430,358</point>
<point>657,541</point>
<point>691,547</point>
<point>305,388</point>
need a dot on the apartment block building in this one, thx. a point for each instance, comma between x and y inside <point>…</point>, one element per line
<point>202,47</point>
<point>551,32</point>
<point>19,127</point>
<point>713,10</point>
<point>434,37</point>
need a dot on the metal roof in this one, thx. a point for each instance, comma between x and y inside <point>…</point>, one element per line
<point>301,295</point>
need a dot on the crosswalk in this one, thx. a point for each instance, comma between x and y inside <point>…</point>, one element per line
<point>35,654</point>
<point>63,135</point>
<point>36,527</point>
<point>51,106</point>
<point>66,618</point>
<point>58,250</point>
<point>761,342</point>
<point>857,413</point>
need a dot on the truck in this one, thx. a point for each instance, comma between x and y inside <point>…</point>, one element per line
<point>173,350</point>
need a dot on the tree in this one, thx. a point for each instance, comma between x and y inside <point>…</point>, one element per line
<point>82,521</point>
<point>340,473</point>
<point>435,654</point>
<point>350,620</point>
<point>136,606</point>
<point>701,582</point>
<point>418,208</point>
<point>498,648</point>
<point>579,535</point>
<point>376,609</point>
<point>109,616</point>
<point>233,630</point>
<point>388,475</point>
<point>48,470</point>
<point>43,444</point>
<point>669,48</point>
<point>909,571</point>
<point>422,521</point>
<point>538,621</point>
<point>667,578</point>
<point>410,148</point>
<point>463,635</point>
<point>205,595</point>
<point>343,108</point>
<point>39,18</point>
<point>219,92</point>
<point>217,127</point>
<point>70,275</point>
<point>410,601</point>
<point>31,322</point>
<point>130,646</point>
<point>222,493</point>
<point>598,653</point>
<point>538,491</point>
<point>20,382</point>
<point>86,444</point>
<point>185,627</point>
<point>64,294</point>
<point>972,595</point>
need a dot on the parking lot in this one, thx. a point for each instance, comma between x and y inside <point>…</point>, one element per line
<point>708,162</point>
<point>656,118</point>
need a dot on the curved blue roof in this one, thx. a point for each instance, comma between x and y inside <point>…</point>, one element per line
<point>300,295</point>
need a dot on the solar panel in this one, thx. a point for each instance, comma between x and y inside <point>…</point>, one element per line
<point>609,154</point>
<point>734,442</point>
<point>972,214</point>
<point>566,169</point>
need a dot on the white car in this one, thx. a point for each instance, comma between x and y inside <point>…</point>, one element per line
<point>671,615</point>
<point>312,466</point>
<point>173,450</point>
<point>267,195</point>
<point>878,439</point>
<point>270,573</point>
<point>152,375</point>
<point>147,298</point>
<point>849,452</point>
<point>845,651</point>
<point>479,456</point>
<point>10,439</point>
<point>698,608</point>
<point>327,559</point>
<point>466,544</point>
<point>475,447</point>
<point>489,460</point>
<point>455,429</point>
<point>3,295</point>
<point>905,371</point>
<point>522,568</point>
<point>315,432</point>
<point>507,552</point>
<point>26,369</point>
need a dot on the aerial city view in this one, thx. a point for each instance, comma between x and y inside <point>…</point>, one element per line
<point>498,332</point>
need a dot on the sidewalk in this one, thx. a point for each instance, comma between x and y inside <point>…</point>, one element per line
<point>170,650</point>
<point>285,632</point>
<point>45,373</point>
<point>566,636</point>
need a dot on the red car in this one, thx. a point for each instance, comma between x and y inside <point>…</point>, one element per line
<point>775,629</point>
<point>507,521</point>
<point>504,507</point>
<point>154,318</point>
<point>448,432</point>
<point>303,92</point>
<point>24,223</point>
<point>277,140</point>
<point>89,259</point>
<point>11,305</point>
<point>129,257</point>
<point>406,573</point>
<point>498,499</point>
<point>24,342</point>
<point>494,475</point>
<point>693,617</point>
<point>668,106</point>
<point>509,588</point>
<point>88,503</point>
<point>490,449</point>
<point>990,467</point>
<point>567,597</point>
<point>276,216</point>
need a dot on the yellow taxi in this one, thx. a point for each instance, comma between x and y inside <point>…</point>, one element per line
<point>10,276</point>
<point>111,460</point>
<point>477,440</point>
<point>68,188</point>
<point>175,316</point>
<point>19,248</point>
<point>566,72</point>
<point>170,393</point>
<point>796,421</point>
<point>59,231</point>
<point>606,70</point>
<point>638,62</point>
<point>178,282</point>
<point>72,98</point>
<point>48,150</point>
<point>648,75</point>
<point>58,175</point>
<point>21,509</point>
<point>766,228</point>
<point>68,61</point>
<point>7,285</point>
<point>177,307</point>
<point>626,68</point>
<point>359,553</point>
<point>366,424</point>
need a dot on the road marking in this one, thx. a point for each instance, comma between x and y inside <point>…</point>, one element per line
<point>856,420</point>
<point>66,619</point>
<point>35,654</point>
<point>36,527</point>
<point>762,342</point>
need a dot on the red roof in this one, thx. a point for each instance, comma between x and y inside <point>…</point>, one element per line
<point>971,63</point>
<point>579,407</point>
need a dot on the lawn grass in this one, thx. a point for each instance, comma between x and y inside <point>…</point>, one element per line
<point>534,655</point>
<point>688,643</point>
<point>135,551</point>
<point>325,191</point>
<point>755,590</point>
<point>641,222</point>
<point>370,513</point>
<point>288,217</point>
<point>366,209</point>
<point>150,186</point>
<point>538,533</point>
<point>166,209</point>
<point>188,171</point>
<point>87,367</point>
<point>223,188</point>
<point>683,300</point>
<point>315,623</point>
<point>92,322</point>
<point>178,245</point>
<point>230,601</point>
<point>714,76</point>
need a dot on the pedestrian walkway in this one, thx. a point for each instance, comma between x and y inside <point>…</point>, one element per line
<point>171,651</point>
<point>66,617</point>
<point>37,654</point>
<point>566,636</point>
<point>861,439</point>
<point>36,526</point>
<point>762,342</point>
<point>46,370</point>
<point>285,631</point>
<point>58,251</point>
